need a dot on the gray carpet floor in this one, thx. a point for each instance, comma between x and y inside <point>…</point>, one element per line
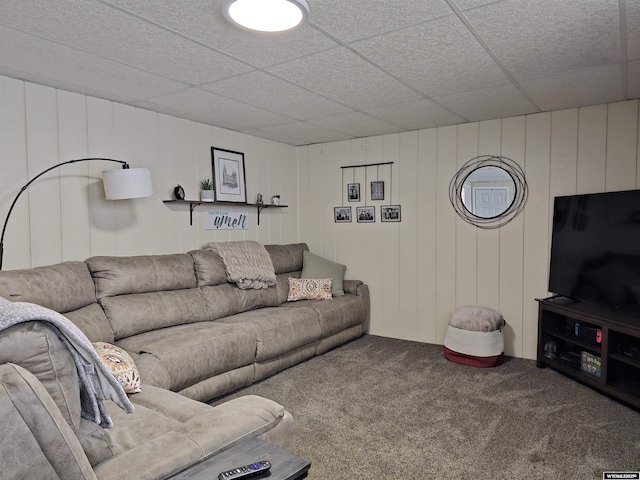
<point>385,408</point>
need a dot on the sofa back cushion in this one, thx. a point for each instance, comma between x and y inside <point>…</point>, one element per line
<point>209,267</point>
<point>144,293</point>
<point>67,288</point>
<point>37,348</point>
<point>287,258</point>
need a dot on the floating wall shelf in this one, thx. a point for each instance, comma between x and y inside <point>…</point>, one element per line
<point>194,203</point>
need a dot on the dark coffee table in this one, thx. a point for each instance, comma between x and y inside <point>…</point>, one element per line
<point>284,465</point>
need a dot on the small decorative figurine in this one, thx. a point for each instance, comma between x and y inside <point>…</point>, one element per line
<point>259,199</point>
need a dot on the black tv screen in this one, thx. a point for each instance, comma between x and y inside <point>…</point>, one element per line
<point>595,249</point>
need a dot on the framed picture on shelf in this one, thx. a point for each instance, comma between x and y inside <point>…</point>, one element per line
<point>377,190</point>
<point>228,175</point>
<point>390,213</point>
<point>342,214</point>
<point>353,192</point>
<point>366,214</point>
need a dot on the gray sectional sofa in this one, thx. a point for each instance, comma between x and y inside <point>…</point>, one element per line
<point>193,337</point>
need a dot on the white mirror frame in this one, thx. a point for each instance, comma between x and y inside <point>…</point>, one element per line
<point>519,197</point>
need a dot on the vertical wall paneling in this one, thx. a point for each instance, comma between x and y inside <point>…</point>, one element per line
<point>535,244</point>
<point>466,234</point>
<point>510,302</point>
<point>592,148</point>
<point>74,178</point>
<point>13,144</point>
<point>426,236</point>
<point>316,212</point>
<point>64,215</point>
<point>304,180</point>
<point>445,227</point>
<point>563,173</point>
<point>409,198</point>
<point>622,142</point>
<point>44,193</point>
<point>373,251</point>
<point>170,168</point>
<point>390,232</point>
<point>490,139</point>
<point>100,143</point>
<point>350,247</point>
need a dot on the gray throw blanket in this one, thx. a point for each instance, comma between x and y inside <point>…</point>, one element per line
<point>96,381</point>
<point>247,263</point>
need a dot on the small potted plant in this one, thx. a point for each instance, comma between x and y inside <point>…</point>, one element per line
<point>206,191</point>
<point>275,200</point>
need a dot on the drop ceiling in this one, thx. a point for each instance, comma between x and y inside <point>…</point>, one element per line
<point>358,68</point>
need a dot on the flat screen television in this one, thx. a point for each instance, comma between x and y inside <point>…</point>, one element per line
<point>595,249</point>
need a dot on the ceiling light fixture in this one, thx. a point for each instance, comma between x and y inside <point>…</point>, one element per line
<point>266,15</point>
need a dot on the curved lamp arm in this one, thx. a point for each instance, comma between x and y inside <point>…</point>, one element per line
<point>125,165</point>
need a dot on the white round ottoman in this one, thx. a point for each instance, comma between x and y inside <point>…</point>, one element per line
<point>475,337</point>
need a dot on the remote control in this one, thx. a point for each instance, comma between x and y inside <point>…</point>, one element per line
<point>246,471</point>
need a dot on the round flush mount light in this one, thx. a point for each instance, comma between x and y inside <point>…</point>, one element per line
<point>266,15</point>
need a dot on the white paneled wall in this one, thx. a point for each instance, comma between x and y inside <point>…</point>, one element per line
<point>64,216</point>
<point>419,270</point>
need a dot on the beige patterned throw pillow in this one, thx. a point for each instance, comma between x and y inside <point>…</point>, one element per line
<point>309,289</point>
<point>121,365</point>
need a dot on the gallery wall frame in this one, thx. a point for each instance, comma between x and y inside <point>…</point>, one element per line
<point>342,214</point>
<point>366,214</point>
<point>390,213</point>
<point>229,175</point>
<point>353,192</point>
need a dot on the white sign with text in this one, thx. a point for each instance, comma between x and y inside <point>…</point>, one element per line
<point>226,220</point>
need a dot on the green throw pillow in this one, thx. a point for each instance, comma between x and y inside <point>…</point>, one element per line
<point>314,266</point>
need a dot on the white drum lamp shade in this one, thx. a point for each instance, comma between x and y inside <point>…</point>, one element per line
<point>127,183</point>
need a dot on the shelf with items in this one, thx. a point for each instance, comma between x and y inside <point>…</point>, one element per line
<point>194,203</point>
<point>597,346</point>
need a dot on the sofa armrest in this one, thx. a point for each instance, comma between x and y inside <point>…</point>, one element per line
<point>357,287</point>
<point>351,286</point>
<point>36,442</point>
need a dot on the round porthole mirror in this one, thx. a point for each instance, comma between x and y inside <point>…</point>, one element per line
<point>488,191</point>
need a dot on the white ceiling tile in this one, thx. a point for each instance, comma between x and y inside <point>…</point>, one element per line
<point>202,20</point>
<point>541,38</point>
<point>344,77</point>
<point>306,134</point>
<point>576,89</point>
<point>359,67</point>
<point>356,19</point>
<point>37,60</point>
<point>96,28</point>
<point>220,108</point>
<point>416,115</point>
<point>436,58</point>
<point>488,103</point>
<point>276,95</point>
<point>356,124</point>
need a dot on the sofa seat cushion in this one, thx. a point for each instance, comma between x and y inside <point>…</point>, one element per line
<point>336,314</point>
<point>169,433</point>
<point>278,330</point>
<point>188,354</point>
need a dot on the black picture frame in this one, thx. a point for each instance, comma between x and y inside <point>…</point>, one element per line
<point>353,192</point>
<point>229,177</point>
<point>366,214</point>
<point>377,190</point>
<point>390,213</point>
<point>342,214</point>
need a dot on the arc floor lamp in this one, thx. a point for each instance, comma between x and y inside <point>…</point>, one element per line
<point>120,184</point>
